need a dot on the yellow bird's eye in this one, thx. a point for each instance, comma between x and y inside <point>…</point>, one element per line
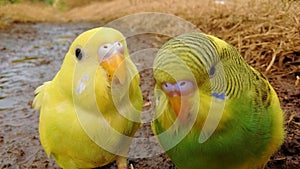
<point>78,53</point>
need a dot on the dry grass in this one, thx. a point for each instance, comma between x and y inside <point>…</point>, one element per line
<point>266,32</point>
<point>28,12</point>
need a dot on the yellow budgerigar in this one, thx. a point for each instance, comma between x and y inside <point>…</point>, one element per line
<point>213,110</point>
<point>91,109</point>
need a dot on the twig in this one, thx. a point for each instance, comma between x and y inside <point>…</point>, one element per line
<point>272,62</point>
<point>273,57</point>
<point>297,80</point>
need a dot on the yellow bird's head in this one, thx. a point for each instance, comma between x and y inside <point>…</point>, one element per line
<point>95,59</point>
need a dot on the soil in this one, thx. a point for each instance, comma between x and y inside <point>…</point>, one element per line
<point>32,54</point>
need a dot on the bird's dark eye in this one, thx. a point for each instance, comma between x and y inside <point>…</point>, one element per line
<point>212,71</point>
<point>78,53</point>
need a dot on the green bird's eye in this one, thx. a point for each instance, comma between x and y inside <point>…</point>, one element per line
<point>212,71</point>
<point>78,53</point>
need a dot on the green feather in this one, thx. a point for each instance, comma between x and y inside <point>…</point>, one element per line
<point>251,125</point>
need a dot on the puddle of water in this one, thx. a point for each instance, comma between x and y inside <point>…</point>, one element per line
<point>31,54</point>
<point>6,103</point>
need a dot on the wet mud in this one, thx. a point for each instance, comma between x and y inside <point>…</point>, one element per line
<point>31,54</point>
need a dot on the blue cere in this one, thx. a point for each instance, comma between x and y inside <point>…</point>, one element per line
<point>220,96</point>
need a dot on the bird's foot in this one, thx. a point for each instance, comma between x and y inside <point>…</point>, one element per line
<point>122,163</point>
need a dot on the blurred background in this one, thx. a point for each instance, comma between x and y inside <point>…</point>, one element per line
<point>35,35</point>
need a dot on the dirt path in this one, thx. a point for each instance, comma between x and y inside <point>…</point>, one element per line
<point>32,53</point>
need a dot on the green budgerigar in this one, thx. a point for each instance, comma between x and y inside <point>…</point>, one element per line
<point>91,109</point>
<point>213,110</point>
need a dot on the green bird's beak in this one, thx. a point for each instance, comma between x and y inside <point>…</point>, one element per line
<point>181,106</point>
<point>180,95</point>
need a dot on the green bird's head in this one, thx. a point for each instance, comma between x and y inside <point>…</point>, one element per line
<point>189,64</point>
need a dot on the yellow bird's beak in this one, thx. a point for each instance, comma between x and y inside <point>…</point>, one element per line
<point>181,106</point>
<point>115,66</point>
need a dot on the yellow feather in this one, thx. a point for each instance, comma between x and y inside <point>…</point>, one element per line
<point>80,125</point>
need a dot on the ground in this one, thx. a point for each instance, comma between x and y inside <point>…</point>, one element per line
<point>31,53</point>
